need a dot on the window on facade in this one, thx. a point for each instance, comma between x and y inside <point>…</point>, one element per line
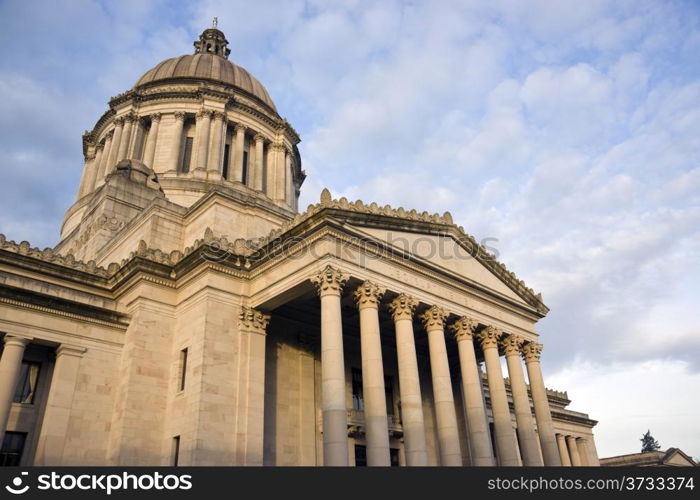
<point>360,455</point>
<point>12,448</point>
<point>187,156</point>
<point>224,171</point>
<point>244,179</point>
<point>394,457</point>
<point>182,372</point>
<point>175,453</point>
<point>358,402</point>
<point>26,386</point>
<point>389,391</point>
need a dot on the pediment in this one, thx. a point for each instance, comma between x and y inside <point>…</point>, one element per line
<point>446,253</point>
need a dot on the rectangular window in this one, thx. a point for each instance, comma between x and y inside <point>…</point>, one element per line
<point>389,392</point>
<point>187,156</point>
<point>360,455</point>
<point>224,171</point>
<point>244,179</point>
<point>182,373</point>
<point>358,402</point>
<point>12,448</point>
<point>175,453</point>
<point>26,386</point>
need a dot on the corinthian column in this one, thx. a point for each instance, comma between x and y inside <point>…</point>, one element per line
<point>479,439</point>
<point>573,451</point>
<point>90,161</point>
<point>545,428</point>
<point>178,127</point>
<point>238,152</point>
<point>402,308</point>
<point>367,297</point>
<point>448,434</point>
<point>94,170</point>
<point>125,139</point>
<point>217,132</point>
<point>529,448</point>
<point>202,138</point>
<point>104,161</point>
<point>116,142</point>
<point>10,364</point>
<point>251,407</point>
<point>150,150</point>
<point>503,429</point>
<point>257,173</point>
<point>563,451</point>
<point>330,283</point>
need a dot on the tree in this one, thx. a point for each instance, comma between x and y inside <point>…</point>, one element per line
<point>649,443</point>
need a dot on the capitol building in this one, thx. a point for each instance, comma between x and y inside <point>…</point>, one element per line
<point>193,314</point>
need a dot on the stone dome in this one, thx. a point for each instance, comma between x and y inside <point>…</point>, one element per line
<point>209,62</point>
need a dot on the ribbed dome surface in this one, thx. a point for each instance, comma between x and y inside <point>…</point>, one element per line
<point>207,66</point>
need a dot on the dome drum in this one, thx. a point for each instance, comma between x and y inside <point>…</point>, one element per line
<point>198,117</point>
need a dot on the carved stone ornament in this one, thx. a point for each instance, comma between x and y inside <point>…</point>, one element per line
<point>512,345</point>
<point>330,281</point>
<point>368,294</point>
<point>253,320</point>
<point>532,352</point>
<point>240,127</point>
<point>155,117</point>
<point>463,328</point>
<point>204,113</point>
<point>180,115</point>
<point>434,318</point>
<point>489,336</point>
<point>403,307</point>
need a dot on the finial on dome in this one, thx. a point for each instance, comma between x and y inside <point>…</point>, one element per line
<point>212,41</point>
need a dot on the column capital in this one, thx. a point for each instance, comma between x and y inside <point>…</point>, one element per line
<point>239,127</point>
<point>100,145</point>
<point>434,318</point>
<point>16,340</point>
<point>368,294</point>
<point>70,350</point>
<point>218,115</point>
<point>512,345</point>
<point>329,281</point>
<point>203,113</point>
<point>109,135</point>
<point>119,121</point>
<point>142,121</point>
<point>402,307</point>
<point>259,137</point>
<point>180,115</point>
<point>489,336</point>
<point>131,117</point>
<point>463,328</point>
<point>253,320</point>
<point>532,352</point>
<point>155,117</point>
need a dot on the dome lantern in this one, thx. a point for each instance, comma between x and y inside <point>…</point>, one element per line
<point>212,41</point>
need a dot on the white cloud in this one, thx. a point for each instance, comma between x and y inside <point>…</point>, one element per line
<point>630,398</point>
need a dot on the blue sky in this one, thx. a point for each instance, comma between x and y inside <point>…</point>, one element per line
<point>568,130</point>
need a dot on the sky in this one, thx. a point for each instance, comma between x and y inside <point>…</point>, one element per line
<point>568,131</point>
